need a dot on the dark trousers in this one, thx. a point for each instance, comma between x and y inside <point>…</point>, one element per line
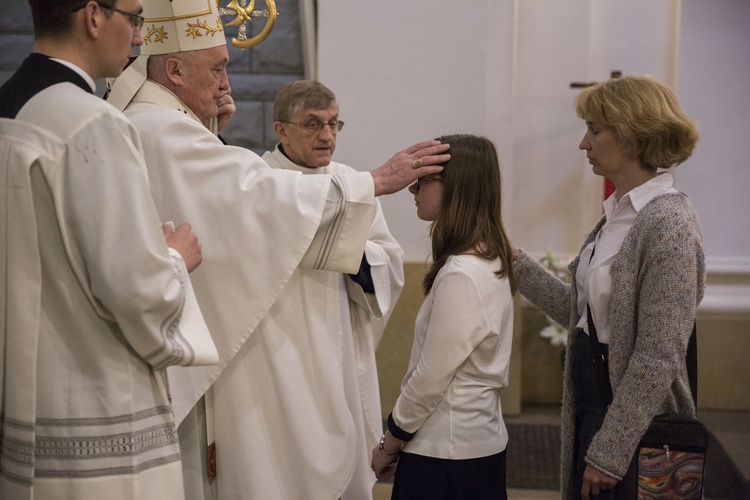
<point>590,407</point>
<point>428,478</point>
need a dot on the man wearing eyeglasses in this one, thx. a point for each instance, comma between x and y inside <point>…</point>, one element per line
<point>350,308</point>
<point>92,300</point>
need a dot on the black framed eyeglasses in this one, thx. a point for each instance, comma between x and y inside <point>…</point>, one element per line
<point>315,127</point>
<point>136,20</point>
<point>424,180</point>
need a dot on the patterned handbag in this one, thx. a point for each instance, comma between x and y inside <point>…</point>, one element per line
<point>670,461</point>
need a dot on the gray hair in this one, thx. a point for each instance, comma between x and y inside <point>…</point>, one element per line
<point>301,94</point>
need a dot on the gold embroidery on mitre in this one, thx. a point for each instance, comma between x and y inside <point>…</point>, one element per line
<point>158,33</point>
<point>193,29</point>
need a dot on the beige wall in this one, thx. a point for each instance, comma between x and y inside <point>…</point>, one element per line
<point>723,356</point>
<point>393,352</point>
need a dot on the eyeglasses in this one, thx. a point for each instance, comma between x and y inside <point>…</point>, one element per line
<point>423,180</point>
<point>136,21</point>
<point>315,127</point>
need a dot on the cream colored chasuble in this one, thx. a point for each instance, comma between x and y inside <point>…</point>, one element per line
<point>257,225</point>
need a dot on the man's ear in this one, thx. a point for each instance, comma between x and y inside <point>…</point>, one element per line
<point>175,71</point>
<point>93,17</point>
<point>280,130</point>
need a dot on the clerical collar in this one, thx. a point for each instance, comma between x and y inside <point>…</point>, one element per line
<point>281,148</point>
<point>78,70</point>
<point>37,73</point>
<point>301,168</point>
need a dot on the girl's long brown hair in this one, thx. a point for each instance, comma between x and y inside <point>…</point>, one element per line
<point>470,217</point>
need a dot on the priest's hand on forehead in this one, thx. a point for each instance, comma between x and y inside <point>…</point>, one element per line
<point>407,166</point>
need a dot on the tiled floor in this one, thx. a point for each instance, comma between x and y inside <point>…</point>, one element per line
<point>731,429</point>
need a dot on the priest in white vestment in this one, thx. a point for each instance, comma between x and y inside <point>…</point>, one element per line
<point>257,225</point>
<point>353,308</point>
<point>93,302</point>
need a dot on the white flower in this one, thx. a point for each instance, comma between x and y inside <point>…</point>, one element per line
<point>555,333</point>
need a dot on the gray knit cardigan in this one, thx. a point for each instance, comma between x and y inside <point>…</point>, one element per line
<point>658,278</point>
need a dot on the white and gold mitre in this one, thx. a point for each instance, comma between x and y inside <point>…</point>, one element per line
<point>181,25</point>
<point>172,26</point>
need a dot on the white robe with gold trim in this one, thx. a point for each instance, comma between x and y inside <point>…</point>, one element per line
<point>257,225</point>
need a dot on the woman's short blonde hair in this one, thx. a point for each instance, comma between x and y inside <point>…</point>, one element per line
<point>646,117</point>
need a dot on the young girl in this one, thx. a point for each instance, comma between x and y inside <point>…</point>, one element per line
<point>446,430</point>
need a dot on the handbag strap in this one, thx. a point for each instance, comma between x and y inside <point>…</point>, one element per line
<point>691,360</point>
<point>691,356</point>
<point>602,366</point>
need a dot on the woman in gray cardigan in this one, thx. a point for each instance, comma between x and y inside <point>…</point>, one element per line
<point>640,272</point>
